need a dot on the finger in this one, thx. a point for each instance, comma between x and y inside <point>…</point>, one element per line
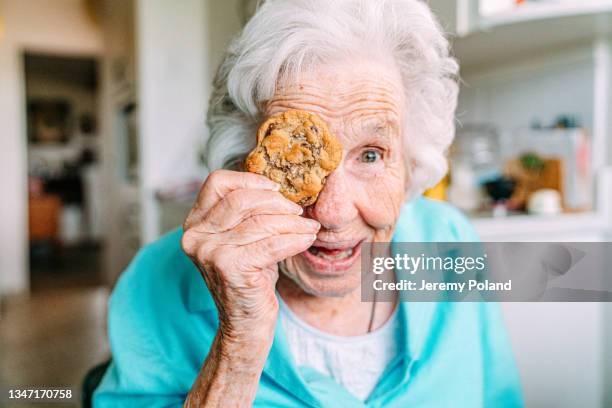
<point>239,205</point>
<point>272,250</point>
<point>221,182</point>
<point>252,230</point>
<point>259,227</point>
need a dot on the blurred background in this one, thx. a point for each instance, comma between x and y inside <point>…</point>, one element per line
<point>102,107</point>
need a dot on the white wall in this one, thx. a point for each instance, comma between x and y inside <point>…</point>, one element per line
<point>223,22</point>
<point>54,26</point>
<point>118,90</point>
<point>172,95</point>
<point>179,47</point>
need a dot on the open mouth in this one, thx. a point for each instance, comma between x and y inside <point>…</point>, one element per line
<point>331,254</point>
<point>332,259</point>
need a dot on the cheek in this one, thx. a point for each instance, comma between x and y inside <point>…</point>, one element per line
<point>381,198</point>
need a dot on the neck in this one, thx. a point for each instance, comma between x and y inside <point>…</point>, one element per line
<point>345,315</point>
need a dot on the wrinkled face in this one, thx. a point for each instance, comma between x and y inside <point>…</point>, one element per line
<point>362,103</point>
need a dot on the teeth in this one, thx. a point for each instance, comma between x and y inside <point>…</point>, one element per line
<point>340,255</point>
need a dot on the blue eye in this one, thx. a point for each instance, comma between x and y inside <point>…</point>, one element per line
<point>370,156</point>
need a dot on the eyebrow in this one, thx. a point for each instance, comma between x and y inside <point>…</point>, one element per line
<point>380,126</point>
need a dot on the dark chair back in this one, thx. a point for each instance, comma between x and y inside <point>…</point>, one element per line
<point>91,381</point>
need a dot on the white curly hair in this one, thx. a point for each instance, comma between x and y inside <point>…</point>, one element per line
<point>286,37</point>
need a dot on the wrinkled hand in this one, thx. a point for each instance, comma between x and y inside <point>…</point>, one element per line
<point>238,230</point>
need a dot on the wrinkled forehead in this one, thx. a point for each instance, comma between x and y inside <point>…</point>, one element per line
<point>367,94</point>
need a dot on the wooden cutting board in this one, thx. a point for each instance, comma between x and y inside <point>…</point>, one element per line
<point>529,181</point>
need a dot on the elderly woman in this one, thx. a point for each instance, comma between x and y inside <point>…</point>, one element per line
<point>256,301</point>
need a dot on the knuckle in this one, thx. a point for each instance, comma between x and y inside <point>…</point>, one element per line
<point>205,253</point>
<point>215,177</point>
<point>235,201</point>
<point>189,243</point>
<point>197,246</point>
<point>212,183</point>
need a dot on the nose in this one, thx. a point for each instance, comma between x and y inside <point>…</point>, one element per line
<point>335,206</point>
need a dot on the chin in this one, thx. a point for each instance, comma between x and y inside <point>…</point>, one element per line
<point>338,286</point>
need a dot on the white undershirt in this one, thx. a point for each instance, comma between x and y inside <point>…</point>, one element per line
<point>355,362</point>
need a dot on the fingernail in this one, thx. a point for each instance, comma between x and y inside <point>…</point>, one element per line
<point>306,237</point>
<point>313,223</point>
<point>270,184</point>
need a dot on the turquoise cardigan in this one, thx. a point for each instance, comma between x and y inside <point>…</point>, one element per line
<point>162,320</point>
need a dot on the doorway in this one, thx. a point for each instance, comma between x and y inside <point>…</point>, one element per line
<point>66,199</point>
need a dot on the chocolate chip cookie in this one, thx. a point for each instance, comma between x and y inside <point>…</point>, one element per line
<point>295,149</point>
